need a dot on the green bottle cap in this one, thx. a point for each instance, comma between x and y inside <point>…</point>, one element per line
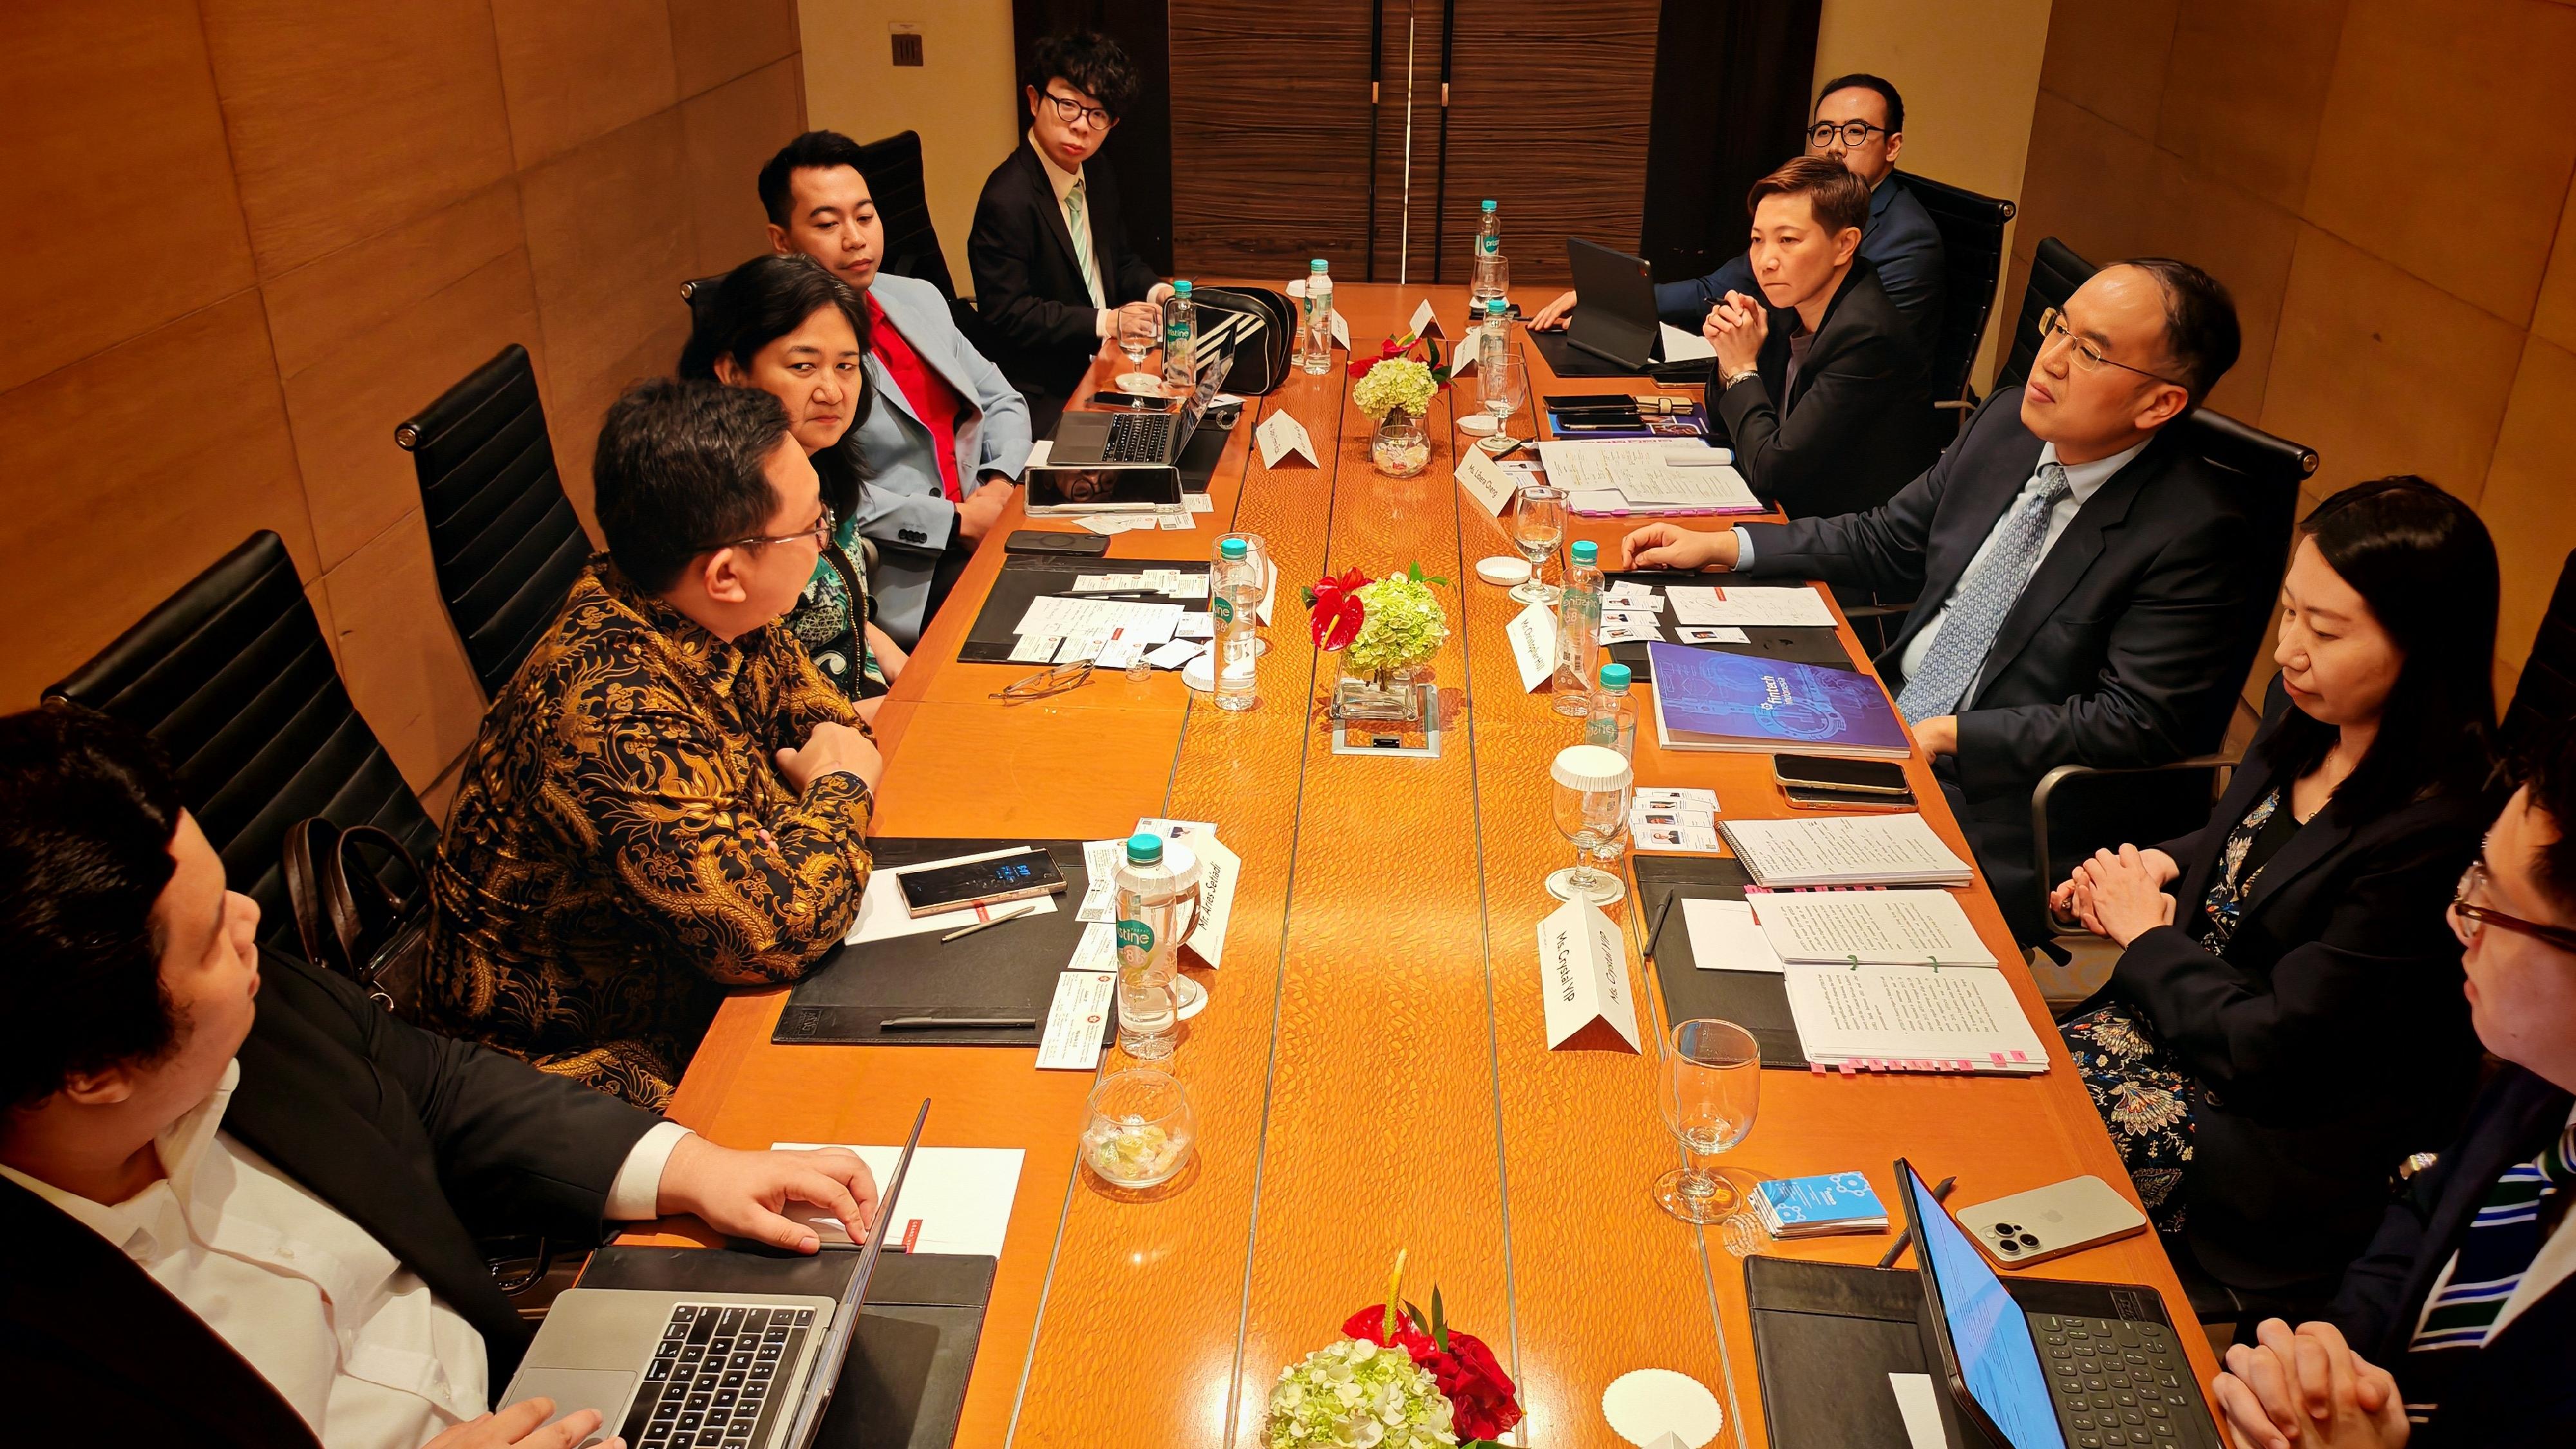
<point>1586,551</point>
<point>1494,307</point>
<point>1144,849</point>
<point>1232,549</point>
<point>1318,264</point>
<point>1614,677</point>
<point>1181,287</point>
<point>1489,206</point>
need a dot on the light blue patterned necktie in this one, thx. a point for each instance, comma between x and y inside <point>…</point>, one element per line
<point>1078,218</point>
<point>1985,596</point>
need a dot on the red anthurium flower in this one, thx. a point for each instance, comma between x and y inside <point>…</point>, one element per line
<point>1338,611</point>
<point>1482,1400</point>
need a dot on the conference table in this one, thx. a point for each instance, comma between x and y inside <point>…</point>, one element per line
<point>1371,1072</point>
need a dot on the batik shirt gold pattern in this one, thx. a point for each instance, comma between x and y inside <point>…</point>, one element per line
<point>622,846</point>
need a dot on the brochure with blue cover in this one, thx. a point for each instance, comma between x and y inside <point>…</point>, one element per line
<point>1707,700</point>
<point>1813,1207</point>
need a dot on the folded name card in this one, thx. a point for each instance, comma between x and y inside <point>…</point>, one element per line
<point>1583,963</point>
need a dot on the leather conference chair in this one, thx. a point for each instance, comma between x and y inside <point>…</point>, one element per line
<point>504,538</point>
<point>2545,697</point>
<point>231,676</point>
<point>2055,272</point>
<point>1972,251</point>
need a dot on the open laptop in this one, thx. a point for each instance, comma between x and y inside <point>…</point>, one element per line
<point>1617,321</point>
<point>2049,1364</point>
<point>665,1369</point>
<point>1089,438</point>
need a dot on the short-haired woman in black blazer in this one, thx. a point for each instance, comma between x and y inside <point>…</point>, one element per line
<point>2286,1019</point>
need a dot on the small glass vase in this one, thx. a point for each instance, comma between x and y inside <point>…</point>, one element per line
<point>1400,448</point>
<point>1387,694</point>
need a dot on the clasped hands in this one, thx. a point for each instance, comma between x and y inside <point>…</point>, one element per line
<point>2119,895</point>
<point>1737,328</point>
<point>2308,1390</point>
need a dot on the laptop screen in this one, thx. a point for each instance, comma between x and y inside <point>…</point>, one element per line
<point>1987,1330</point>
<point>1213,363</point>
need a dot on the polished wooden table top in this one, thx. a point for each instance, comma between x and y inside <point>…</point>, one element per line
<point>1371,1071</point>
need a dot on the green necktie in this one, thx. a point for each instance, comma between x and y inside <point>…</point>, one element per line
<point>1079,224</point>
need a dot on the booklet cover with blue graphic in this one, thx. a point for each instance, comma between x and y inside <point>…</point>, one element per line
<point>1811,1207</point>
<point>1709,700</point>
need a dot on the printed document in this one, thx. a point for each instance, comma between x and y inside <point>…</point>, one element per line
<point>1913,1016</point>
<point>1642,474</point>
<point>1918,928</point>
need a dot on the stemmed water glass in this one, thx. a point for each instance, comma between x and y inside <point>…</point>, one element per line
<point>1712,1084</point>
<point>1504,387</point>
<point>1137,335</point>
<point>1593,784</point>
<point>1538,526</point>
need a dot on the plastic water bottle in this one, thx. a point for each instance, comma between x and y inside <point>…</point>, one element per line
<point>1147,896</point>
<point>1578,630</point>
<point>1315,336</point>
<point>1489,230</point>
<point>1234,597</point>
<point>1496,333</point>
<point>1613,721</point>
<point>1180,341</point>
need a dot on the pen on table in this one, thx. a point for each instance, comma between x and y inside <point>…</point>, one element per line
<point>1012,914</point>
<point>930,1023</point>
<point>1896,1249</point>
<point>1655,932</point>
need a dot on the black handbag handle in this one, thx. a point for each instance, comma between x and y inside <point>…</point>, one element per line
<point>345,913</point>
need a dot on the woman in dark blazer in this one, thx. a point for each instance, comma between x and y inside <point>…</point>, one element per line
<point>2286,1021</point>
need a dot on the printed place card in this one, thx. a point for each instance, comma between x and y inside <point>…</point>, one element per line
<point>1583,964</point>
<point>1485,480</point>
<point>1282,436</point>
<point>1533,636</point>
<point>1426,321</point>
<point>1219,869</point>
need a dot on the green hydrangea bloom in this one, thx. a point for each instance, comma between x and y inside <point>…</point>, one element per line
<point>1397,382</point>
<point>1352,1394</point>
<point>1405,626</point>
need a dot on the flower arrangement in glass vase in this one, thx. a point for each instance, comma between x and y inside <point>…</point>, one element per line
<point>1396,389</point>
<point>1386,629</point>
<point>1397,1378</point>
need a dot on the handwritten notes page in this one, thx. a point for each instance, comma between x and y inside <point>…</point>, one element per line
<point>1751,606</point>
<point>1897,849</point>
<point>1889,928</point>
<point>1911,1018</point>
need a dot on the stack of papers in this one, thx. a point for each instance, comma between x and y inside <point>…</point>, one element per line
<point>1645,477</point>
<point>954,1199</point>
<point>1911,1018</point>
<point>1725,937</point>
<point>1816,1207</point>
<point>1666,819</point>
<point>1110,632</point>
<point>1897,849</point>
<point>1756,606</point>
<point>1868,928</point>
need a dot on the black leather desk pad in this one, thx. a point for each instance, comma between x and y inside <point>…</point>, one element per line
<point>1026,576</point>
<point>904,1383</point>
<point>1804,645</point>
<point>1757,1001</point>
<point>1008,970</point>
<point>1567,360</point>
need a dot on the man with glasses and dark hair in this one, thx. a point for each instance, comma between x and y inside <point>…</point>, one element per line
<point>2458,1326</point>
<point>1859,121</point>
<point>2087,590</point>
<point>1053,272</point>
<point>668,798</point>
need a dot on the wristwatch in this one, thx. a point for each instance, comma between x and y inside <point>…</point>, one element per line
<point>1732,378</point>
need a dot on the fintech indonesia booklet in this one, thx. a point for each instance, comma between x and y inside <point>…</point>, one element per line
<point>1709,700</point>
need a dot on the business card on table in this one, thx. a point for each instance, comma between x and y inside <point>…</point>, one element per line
<point>1100,860</point>
<point>1176,654</point>
<point>1194,626</point>
<point>1644,818</point>
<point>1097,951</point>
<point>1678,837</point>
<point>1630,633</point>
<point>1036,648</point>
<point>1077,1021</point>
<point>1711,634</point>
<point>1614,614</point>
<point>1118,654</point>
<point>1668,797</point>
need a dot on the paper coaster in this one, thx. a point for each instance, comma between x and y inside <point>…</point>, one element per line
<point>1476,425</point>
<point>1503,569</point>
<point>1646,1404</point>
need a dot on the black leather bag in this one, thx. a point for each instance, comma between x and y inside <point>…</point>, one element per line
<point>350,920</point>
<point>1261,324</point>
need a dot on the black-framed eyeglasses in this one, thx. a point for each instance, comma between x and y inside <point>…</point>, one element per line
<point>1069,110</point>
<point>2053,328</point>
<point>820,535</point>
<point>2469,922</point>
<point>1853,133</point>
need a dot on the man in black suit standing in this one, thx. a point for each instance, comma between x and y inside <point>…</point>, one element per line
<point>2458,1326</point>
<point>2086,589</point>
<point>1053,271</point>
<point>242,1226</point>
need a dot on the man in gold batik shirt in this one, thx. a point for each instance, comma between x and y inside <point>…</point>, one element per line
<point>667,799</point>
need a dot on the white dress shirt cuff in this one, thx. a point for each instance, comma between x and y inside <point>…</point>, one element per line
<point>1104,320</point>
<point>637,1192</point>
<point>1743,547</point>
<point>1157,292</point>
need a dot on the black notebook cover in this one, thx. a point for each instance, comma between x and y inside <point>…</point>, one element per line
<point>1757,1001</point>
<point>1008,970</point>
<point>1025,576</point>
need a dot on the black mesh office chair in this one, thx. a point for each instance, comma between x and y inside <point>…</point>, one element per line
<point>231,676</point>
<point>503,536</point>
<point>2055,272</point>
<point>2545,697</point>
<point>1972,256</point>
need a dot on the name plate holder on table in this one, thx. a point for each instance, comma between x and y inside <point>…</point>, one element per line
<point>1583,966</point>
<point>1006,973</point>
<point>1026,578</point>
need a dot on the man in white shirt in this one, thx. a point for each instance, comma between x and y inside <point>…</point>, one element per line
<point>255,1224</point>
<point>2458,1326</point>
<point>1053,272</point>
<point>2086,588</point>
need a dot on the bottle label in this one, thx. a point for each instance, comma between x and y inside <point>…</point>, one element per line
<point>1601,731</point>
<point>1223,608</point>
<point>1136,937</point>
<point>1489,245</point>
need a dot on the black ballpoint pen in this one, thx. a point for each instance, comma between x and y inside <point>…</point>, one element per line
<point>933,1023</point>
<point>1896,1249</point>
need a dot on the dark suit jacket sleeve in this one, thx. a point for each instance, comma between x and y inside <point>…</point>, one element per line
<point>2331,1005</point>
<point>1910,265</point>
<point>1787,460</point>
<point>515,1148</point>
<point>1132,279</point>
<point>2175,636</point>
<point>1686,304</point>
<point>2371,1299</point>
<point>1878,549</point>
<point>1000,251</point>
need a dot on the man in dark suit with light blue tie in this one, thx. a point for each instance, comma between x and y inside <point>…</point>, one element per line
<point>2087,590</point>
<point>2458,1326</point>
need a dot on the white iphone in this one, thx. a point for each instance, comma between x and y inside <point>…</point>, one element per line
<point>2050,1222</point>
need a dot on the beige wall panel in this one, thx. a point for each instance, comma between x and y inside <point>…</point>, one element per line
<point>2409,152</point>
<point>405,669</point>
<point>345,407</point>
<point>2108,56</point>
<point>574,419</point>
<point>575,70</point>
<point>2068,192</point>
<point>2244,242</point>
<point>2526,502</point>
<point>98,93</point>
<point>315,309</point>
<point>2247,88</point>
<point>347,120</point>
<point>2554,317</point>
<point>125,492</point>
<point>728,134</point>
<point>602,289</point>
<point>714,41</point>
<point>2381,373</point>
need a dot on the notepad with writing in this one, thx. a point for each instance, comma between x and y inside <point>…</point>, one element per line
<point>1835,850</point>
<point>1709,700</point>
<point>1868,928</point>
<point>1815,1207</point>
<point>1912,1018</point>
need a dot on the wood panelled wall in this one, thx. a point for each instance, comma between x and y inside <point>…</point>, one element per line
<point>1271,149</point>
<point>241,239</point>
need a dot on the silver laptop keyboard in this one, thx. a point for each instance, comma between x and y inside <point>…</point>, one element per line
<point>716,1377</point>
<point>1137,438</point>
